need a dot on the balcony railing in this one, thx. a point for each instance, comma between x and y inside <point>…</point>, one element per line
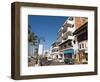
<point>67,38</point>
<point>69,29</point>
<point>66,34</point>
<point>56,47</point>
<point>70,37</point>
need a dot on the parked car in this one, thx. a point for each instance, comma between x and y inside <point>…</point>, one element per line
<point>69,61</point>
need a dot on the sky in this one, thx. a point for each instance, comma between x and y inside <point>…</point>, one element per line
<point>46,27</point>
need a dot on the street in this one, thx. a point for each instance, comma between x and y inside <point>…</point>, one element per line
<point>57,63</point>
<point>45,62</point>
<point>52,62</point>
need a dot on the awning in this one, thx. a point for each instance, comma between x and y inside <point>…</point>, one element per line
<point>69,51</point>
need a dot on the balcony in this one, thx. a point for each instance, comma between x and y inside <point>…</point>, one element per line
<point>68,38</point>
<point>69,29</point>
<point>55,50</point>
<point>70,22</point>
<point>66,34</point>
<point>60,30</point>
<point>63,40</point>
<point>56,47</point>
<point>59,39</point>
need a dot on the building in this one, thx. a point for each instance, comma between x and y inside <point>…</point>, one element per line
<point>55,51</point>
<point>46,53</point>
<point>31,49</point>
<point>66,38</point>
<point>71,43</point>
<point>81,37</point>
<point>41,46</point>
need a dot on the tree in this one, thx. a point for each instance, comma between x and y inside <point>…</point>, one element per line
<point>33,40</point>
<point>31,36</point>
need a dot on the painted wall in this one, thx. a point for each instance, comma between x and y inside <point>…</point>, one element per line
<point>5,41</point>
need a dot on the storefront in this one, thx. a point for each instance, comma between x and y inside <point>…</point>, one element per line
<point>68,56</point>
<point>82,39</point>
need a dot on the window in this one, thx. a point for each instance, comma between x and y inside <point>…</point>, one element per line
<point>73,25</point>
<point>74,42</point>
<point>70,44</point>
<point>61,55</point>
<point>85,45</point>
<point>82,45</point>
<point>64,46</point>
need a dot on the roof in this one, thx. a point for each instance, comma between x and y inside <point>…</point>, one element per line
<point>84,26</point>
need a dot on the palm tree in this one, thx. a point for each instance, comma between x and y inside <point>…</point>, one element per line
<point>32,39</point>
<point>31,36</point>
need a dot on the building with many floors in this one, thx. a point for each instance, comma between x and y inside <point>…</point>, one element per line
<point>55,50</point>
<point>66,38</point>
<point>81,37</point>
<point>71,38</point>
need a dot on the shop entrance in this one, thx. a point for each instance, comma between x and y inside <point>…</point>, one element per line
<point>68,56</point>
